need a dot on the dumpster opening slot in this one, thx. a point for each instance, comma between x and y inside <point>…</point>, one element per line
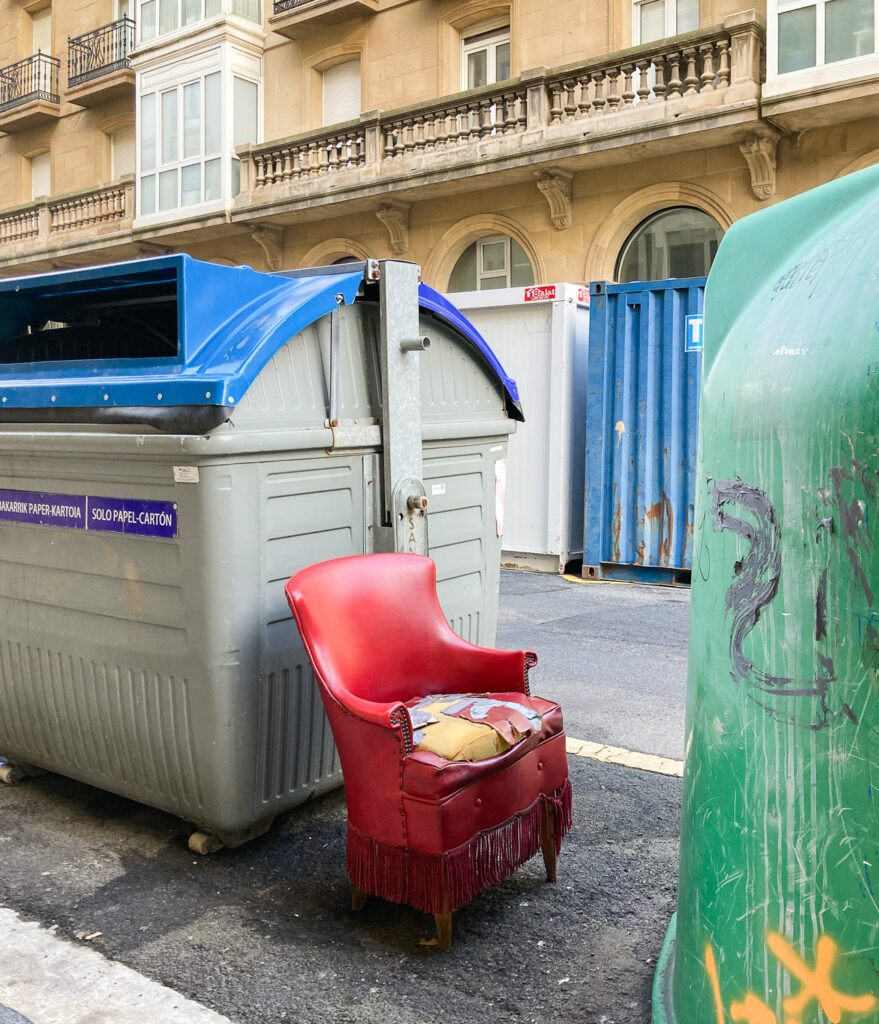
<point>125,316</point>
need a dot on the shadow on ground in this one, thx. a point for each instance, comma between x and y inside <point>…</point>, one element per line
<point>264,933</point>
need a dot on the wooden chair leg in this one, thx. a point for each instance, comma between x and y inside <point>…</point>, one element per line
<point>547,841</point>
<point>444,930</point>
<point>358,898</point>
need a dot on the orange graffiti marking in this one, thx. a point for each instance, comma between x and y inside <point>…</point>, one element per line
<point>816,983</point>
<point>711,967</point>
<point>752,1011</point>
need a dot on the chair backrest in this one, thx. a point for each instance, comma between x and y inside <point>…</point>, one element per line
<point>372,624</point>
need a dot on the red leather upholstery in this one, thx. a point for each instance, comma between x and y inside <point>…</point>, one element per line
<point>377,638</point>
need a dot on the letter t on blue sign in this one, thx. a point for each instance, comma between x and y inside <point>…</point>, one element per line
<point>693,333</point>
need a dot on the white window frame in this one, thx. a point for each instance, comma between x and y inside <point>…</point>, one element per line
<point>46,161</point>
<point>224,7</point>
<point>493,275</point>
<point>230,62</point>
<point>838,69</point>
<point>44,14</point>
<point>671,21</point>
<point>488,37</point>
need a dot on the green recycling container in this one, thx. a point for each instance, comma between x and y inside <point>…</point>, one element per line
<point>778,908</point>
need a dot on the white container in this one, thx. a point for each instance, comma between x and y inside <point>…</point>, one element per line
<point>540,335</point>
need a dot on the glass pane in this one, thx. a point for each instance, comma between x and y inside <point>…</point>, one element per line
<point>190,185</point>
<point>213,115</point>
<point>191,11</point>
<point>463,277</point>
<point>148,20</point>
<point>247,9</point>
<point>236,176</point>
<point>167,15</point>
<point>123,9</point>
<point>212,176</point>
<point>488,284</point>
<point>168,190</point>
<point>502,62</point>
<point>494,256</point>
<point>652,20</point>
<point>521,273</point>
<point>170,149</point>
<point>192,120</point>
<point>688,15</point>
<point>245,111</point>
<point>680,242</point>
<point>477,69</point>
<point>148,132</point>
<point>796,40</point>
<point>848,29</point>
<point>148,194</point>
<point>212,7</point>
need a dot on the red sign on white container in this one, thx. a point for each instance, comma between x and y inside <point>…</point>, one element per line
<point>540,293</point>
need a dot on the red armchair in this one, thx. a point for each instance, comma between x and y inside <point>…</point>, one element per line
<point>423,830</point>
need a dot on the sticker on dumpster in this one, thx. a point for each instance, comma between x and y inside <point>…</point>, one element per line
<point>583,296</point>
<point>693,333</point>
<point>81,512</point>
<point>540,293</point>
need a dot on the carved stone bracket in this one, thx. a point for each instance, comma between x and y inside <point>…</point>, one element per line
<point>759,154</point>
<point>395,217</point>
<point>152,249</point>
<point>271,241</point>
<point>556,187</point>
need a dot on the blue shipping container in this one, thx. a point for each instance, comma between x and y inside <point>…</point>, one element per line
<point>642,411</point>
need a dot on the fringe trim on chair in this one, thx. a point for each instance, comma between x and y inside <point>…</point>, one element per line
<point>438,883</point>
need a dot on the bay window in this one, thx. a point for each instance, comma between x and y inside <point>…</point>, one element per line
<point>160,16</point>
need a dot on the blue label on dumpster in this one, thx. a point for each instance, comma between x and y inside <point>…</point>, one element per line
<point>81,512</point>
<point>693,333</point>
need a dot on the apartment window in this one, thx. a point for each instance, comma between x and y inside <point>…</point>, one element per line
<point>495,261</point>
<point>41,175</point>
<point>42,26</point>
<point>123,9</point>
<point>824,32</point>
<point>187,140</point>
<point>659,19</point>
<point>679,242</point>
<point>485,57</point>
<point>122,153</point>
<point>160,16</point>
<point>341,92</point>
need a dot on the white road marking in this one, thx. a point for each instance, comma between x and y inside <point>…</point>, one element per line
<point>626,758</point>
<point>49,980</point>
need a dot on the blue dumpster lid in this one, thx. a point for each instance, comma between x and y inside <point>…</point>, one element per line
<point>139,341</point>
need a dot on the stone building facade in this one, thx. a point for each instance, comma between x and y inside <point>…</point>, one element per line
<point>494,142</point>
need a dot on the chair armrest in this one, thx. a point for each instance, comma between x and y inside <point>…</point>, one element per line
<point>393,715</point>
<point>462,667</point>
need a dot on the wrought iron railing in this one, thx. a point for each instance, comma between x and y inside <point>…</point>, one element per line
<point>289,5</point>
<point>34,78</point>
<point>100,52</point>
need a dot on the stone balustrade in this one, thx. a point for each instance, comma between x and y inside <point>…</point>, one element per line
<point>541,109</point>
<point>50,222</point>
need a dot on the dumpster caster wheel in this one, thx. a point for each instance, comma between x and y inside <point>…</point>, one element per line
<point>10,774</point>
<point>204,843</point>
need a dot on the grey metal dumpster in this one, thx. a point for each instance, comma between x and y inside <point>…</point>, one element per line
<point>177,439</point>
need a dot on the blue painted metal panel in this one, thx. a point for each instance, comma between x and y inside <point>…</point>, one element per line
<point>642,410</point>
<point>230,321</point>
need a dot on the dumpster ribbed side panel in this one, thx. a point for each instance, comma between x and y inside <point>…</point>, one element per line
<point>112,721</point>
<point>641,430</point>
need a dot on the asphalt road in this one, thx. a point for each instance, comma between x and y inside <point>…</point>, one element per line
<point>265,934</point>
<point>613,655</point>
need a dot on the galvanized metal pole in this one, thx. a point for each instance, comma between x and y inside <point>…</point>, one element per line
<point>401,346</point>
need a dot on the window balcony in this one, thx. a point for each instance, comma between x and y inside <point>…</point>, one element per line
<point>80,218</point>
<point>289,15</point>
<point>669,98</point>
<point>29,92</point>
<point>99,64</point>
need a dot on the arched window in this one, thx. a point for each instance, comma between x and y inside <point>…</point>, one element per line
<point>495,261</point>
<point>680,242</point>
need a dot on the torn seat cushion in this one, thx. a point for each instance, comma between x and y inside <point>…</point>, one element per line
<point>472,726</point>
